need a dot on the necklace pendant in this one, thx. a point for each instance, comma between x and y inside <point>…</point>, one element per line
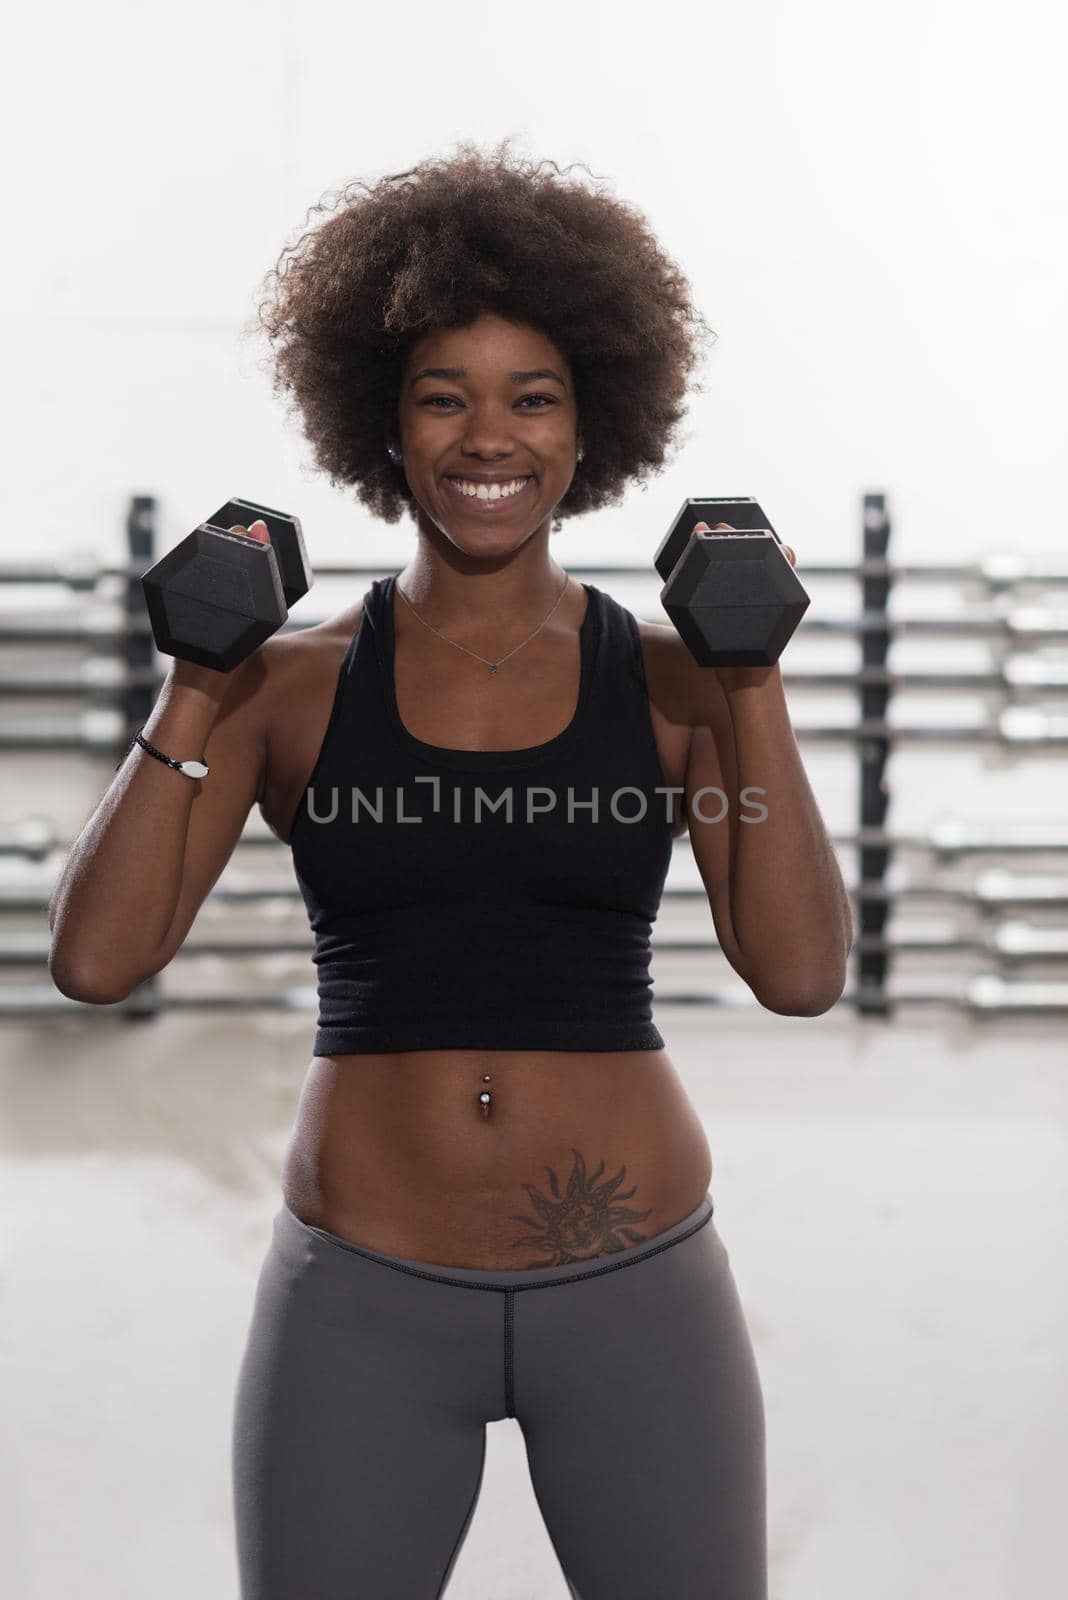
<point>493,669</point>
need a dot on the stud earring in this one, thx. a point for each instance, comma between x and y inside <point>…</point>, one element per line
<point>394,455</point>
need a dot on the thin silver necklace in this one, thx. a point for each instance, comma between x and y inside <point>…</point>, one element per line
<point>493,665</point>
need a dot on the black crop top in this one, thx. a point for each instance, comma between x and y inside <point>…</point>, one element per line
<point>499,899</point>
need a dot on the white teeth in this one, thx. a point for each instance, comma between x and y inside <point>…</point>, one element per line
<point>489,491</point>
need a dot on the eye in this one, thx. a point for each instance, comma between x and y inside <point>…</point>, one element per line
<point>451,400</point>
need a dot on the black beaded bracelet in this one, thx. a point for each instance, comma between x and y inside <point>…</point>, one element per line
<point>191,769</point>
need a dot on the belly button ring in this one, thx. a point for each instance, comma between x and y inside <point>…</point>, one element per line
<point>484,1098</point>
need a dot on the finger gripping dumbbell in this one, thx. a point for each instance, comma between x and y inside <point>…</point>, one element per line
<point>733,597</point>
<point>217,595</point>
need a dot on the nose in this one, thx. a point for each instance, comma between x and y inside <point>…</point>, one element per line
<point>488,433</point>
<point>485,446</point>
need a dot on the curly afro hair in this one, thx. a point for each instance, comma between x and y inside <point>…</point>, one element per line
<point>437,245</point>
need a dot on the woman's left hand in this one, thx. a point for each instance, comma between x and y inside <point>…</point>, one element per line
<point>744,677</point>
<point>725,527</point>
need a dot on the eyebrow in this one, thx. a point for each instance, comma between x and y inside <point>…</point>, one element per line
<point>458,373</point>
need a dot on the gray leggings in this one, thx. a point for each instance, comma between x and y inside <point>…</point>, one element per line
<point>359,1427</point>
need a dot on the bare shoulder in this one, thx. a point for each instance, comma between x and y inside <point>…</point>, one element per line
<point>289,664</point>
<point>298,677</point>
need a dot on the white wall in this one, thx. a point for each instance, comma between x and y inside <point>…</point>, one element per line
<point>869,205</point>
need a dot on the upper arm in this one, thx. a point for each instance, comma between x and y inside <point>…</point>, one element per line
<point>710,796</point>
<point>695,722</point>
<point>235,754</point>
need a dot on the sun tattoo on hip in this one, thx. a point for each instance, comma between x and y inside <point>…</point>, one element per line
<point>586,1220</point>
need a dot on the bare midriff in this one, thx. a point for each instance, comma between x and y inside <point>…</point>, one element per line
<point>582,1153</point>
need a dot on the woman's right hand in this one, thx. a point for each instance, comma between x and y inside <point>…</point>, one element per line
<point>206,680</point>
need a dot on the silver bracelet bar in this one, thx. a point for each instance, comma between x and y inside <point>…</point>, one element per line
<point>191,769</point>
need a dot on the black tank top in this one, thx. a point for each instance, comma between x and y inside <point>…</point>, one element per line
<point>489,899</point>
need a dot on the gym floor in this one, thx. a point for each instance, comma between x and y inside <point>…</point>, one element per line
<point>893,1200</point>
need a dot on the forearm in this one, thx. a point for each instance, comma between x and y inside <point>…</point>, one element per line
<point>789,905</point>
<point>116,895</point>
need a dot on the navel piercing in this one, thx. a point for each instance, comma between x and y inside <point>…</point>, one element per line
<point>484,1097</point>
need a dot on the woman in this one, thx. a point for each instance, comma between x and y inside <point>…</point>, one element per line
<point>495,1197</point>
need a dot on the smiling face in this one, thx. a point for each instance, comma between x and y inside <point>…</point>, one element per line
<point>487,422</point>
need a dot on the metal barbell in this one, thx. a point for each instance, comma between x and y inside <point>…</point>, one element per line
<point>102,729</point>
<point>983,996</point>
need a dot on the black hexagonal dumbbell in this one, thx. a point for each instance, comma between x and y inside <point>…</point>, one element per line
<point>734,597</point>
<point>217,594</point>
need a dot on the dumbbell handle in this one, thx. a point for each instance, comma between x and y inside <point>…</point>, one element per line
<point>742,512</point>
<point>220,593</point>
<point>733,605</point>
<point>209,681</point>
